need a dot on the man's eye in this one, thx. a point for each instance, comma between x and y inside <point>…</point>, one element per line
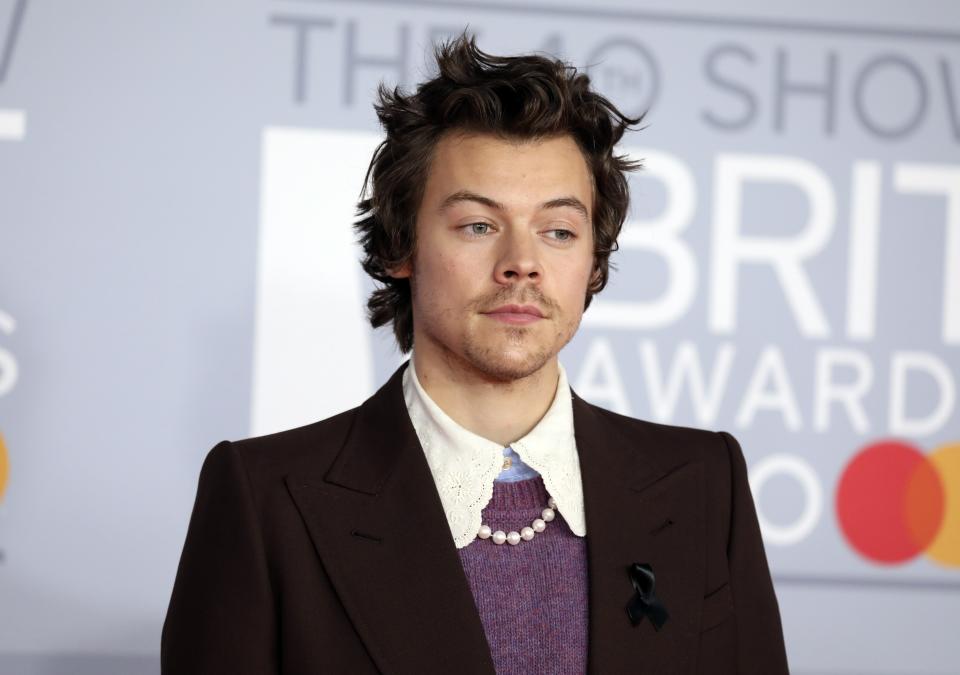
<point>562,235</point>
<point>477,228</point>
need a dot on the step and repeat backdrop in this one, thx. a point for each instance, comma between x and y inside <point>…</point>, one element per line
<point>177,266</point>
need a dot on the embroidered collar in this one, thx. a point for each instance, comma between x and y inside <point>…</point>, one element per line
<point>464,465</point>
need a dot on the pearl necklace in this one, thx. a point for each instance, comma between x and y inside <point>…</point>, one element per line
<point>527,533</point>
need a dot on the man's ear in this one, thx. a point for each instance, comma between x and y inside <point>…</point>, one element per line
<point>401,271</point>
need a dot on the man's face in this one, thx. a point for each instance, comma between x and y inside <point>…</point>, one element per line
<point>504,233</point>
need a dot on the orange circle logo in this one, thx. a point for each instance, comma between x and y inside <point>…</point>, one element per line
<point>4,467</point>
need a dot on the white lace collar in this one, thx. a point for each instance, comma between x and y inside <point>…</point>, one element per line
<point>464,465</point>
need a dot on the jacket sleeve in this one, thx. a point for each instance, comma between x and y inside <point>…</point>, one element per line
<point>221,617</point>
<point>760,648</point>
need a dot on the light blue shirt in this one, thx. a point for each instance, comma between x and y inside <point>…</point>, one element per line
<point>518,470</point>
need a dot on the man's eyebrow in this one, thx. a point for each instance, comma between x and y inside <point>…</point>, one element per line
<point>570,202</point>
<point>469,196</point>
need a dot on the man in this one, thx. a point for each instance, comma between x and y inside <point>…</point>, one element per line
<point>475,515</point>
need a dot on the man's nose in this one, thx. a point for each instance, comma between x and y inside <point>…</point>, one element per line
<point>519,259</point>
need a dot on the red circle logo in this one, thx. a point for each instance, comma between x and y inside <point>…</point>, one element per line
<point>892,503</point>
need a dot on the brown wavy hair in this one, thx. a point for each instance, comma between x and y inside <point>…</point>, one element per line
<point>515,97</point>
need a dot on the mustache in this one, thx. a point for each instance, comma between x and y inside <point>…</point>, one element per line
<point>529,295</point>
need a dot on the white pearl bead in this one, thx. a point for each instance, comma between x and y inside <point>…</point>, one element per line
<point>525,533</point>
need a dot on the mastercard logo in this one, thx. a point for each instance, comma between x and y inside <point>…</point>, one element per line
<point>894,502</point>
<point>4,467</point>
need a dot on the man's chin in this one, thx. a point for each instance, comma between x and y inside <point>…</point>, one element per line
<point>508,365</point>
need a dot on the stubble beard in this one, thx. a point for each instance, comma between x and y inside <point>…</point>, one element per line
<point>518,359</point>
<point>501,365</point>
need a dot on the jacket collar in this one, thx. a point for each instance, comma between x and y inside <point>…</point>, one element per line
<point>378,525</point>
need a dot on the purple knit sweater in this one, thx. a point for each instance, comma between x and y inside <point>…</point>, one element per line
<point>532,597</point>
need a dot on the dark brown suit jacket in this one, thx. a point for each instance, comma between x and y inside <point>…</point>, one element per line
<point>325,549</point>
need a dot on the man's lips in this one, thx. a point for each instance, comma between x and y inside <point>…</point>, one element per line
<point>516,314</point>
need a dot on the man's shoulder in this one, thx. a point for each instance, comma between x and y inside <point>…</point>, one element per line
<point>309,446</point>
<point>674,442</point>
<point>636,425</point>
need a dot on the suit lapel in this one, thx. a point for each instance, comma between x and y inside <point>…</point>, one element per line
<point>639,508</point>
<point>378,525</point>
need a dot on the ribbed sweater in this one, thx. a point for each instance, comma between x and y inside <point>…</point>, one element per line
<point>532,597</point>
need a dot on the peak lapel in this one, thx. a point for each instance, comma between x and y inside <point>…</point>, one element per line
<point>379,528</point>
<point>639,508</point>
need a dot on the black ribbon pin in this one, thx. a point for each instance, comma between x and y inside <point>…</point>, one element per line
<point>645,602</point>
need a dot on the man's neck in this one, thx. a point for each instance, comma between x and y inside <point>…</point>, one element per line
<point>502,412</point>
